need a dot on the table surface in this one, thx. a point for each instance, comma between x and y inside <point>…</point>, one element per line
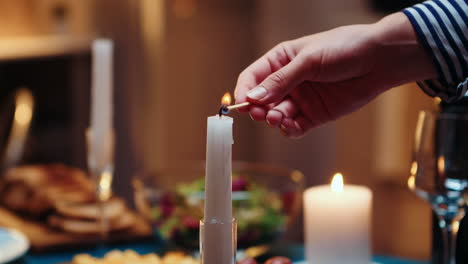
<point>145,248</point>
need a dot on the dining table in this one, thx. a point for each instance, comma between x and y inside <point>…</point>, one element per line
<point>294,251</point>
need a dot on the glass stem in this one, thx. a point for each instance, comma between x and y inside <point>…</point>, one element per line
<point>449,227</point>
<point>103,221</point>
<point>102,196</point>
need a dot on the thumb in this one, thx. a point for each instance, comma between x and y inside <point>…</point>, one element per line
<point>278,84</point>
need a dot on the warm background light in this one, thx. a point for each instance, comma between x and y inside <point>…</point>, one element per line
<point>441,164</point>
<point>411,182</point>
<point>414,168</point>
<point>337,182</point>
<point>412,179</point>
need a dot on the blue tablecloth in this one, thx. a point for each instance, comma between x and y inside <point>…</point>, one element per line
<point>144,248</point>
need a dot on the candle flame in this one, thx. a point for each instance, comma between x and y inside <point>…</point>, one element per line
<point>23,111</point>
<point>226,100</point>
<point>337,183</point>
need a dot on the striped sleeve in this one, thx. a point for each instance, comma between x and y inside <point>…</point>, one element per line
<point>442,28</point>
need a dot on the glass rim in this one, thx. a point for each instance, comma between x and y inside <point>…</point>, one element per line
<point>446,116</point>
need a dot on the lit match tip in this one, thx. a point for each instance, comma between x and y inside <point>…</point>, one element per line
<point>226,107</point>
<point>224,110</point>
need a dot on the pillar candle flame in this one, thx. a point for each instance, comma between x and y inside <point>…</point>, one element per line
<point>337,183</point>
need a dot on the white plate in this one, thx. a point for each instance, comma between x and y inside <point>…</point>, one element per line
<point>13,244</point>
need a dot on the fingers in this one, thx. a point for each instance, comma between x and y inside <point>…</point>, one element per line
<point>249,78</point>
<point>258,71</point>
<point>245,81</point>
<point>285,109</point>
<point>278,84</point>
<point>286,115</point>
<point>257,113</point>
<point>274,118</point>
<point>295,128</point>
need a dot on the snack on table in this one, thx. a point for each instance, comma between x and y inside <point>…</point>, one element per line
<point>130,256</point>
<point>178,257</point>
<point>90,226</point>
<point>112,209</point>
<point>63,195</point>
<point>33,190</point>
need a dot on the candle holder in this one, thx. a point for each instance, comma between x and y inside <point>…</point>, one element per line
<point>100,155</point>
<point>222,243</point>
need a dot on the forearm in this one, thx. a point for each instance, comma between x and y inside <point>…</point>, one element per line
<point>441,27</point>
<point>401,58</point>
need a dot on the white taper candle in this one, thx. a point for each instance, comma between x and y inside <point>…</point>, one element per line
<point>217,232</point>
<point>101,96</point>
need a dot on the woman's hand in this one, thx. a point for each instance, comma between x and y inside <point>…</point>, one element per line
<point>303,83</point>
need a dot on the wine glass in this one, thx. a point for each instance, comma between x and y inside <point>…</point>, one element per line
<point>439,171</point>
<point>100,154</point>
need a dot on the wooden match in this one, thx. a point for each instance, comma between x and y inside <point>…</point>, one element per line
<point>224,110</point>
<point>230,107</point>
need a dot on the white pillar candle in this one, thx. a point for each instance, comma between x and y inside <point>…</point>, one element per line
<point>217,235</point>
<point>101,97</point>
<point>337,223</point>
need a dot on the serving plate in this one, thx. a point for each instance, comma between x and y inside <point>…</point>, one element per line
<point>13,244</point>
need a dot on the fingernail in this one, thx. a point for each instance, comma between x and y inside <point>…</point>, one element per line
<point>257,93</point>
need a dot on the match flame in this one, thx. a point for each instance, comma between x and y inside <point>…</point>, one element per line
<point>226,100</point>
<point>337,183</point>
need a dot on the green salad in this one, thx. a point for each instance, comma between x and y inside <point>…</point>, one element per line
<point>260,212</point>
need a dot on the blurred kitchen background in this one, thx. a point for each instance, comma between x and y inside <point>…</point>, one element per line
<point>174,60</point>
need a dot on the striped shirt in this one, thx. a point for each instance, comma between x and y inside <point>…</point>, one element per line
<point>442,28</point>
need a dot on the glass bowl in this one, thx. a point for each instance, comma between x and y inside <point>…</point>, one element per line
<point>266,202</point>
